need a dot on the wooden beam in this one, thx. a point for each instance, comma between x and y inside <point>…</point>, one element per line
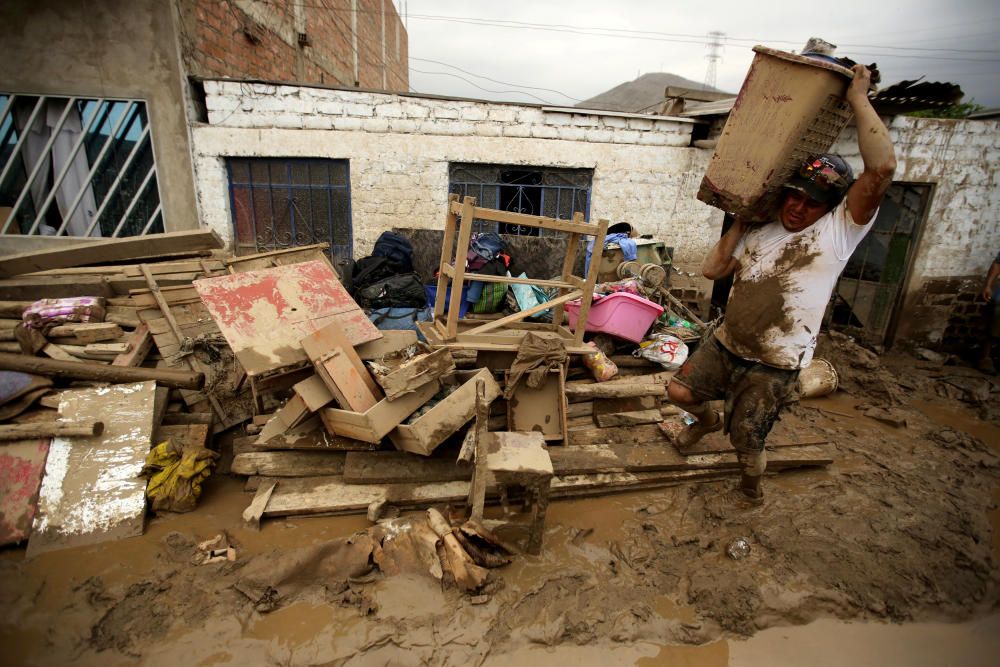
<point>50,430</point>
<point>111,250</point>
<point>81,370</point>
<point>141,342</point>
<point>520,315</point>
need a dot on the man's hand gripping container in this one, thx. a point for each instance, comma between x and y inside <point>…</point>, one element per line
<point>789,108</point>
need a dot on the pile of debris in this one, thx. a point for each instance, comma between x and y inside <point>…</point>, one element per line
<point>115,375</point>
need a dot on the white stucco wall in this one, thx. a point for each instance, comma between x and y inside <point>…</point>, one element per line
<point>399,148</point>
<point>961,234</point>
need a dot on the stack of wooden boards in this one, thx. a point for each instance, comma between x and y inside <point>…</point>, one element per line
<point>157,338</point>
<point>613,443</point>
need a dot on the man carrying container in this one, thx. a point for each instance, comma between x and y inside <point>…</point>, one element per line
<point>785,272</point>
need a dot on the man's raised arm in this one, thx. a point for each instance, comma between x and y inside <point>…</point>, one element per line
<point>876,151</point>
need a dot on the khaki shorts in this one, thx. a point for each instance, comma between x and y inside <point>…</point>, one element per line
<point>754,392</point>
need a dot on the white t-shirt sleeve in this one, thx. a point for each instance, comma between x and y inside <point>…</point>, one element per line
<point>846,234</point>
<point>740,245</point>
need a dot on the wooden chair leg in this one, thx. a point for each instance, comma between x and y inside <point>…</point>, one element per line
<point>539,507</point>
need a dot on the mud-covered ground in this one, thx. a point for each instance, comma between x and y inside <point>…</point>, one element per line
<point>900,528</point>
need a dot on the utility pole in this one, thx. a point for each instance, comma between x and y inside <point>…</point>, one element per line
<point>713,57</point>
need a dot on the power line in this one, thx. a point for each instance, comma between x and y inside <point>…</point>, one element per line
<point>503,83</point>
<point>472,83</point>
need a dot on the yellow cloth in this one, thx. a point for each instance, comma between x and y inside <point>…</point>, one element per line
<point>175,477</point>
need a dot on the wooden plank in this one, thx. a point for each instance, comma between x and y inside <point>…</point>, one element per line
<point>79,370</point>
<point>92,491</point>
<point>126,316</point>
<point>313,392</point>
<point>430,429</point>
<point>626,419</point>
<point>334,496</point>
<point>332,353</point>
<point>141,342</point>
<point>288,463</point>
<point>375,423</point>
<point>131,247</point>
<point>415,373</point>
<point>22,464</point>
<point>569,261</point>
<point>528,220</point>
<point>14,309</point>
<point>112,349</point>
<point>543,409</point>
<point>48,287</point>
<point>481,278</point>
<point>57,352</point>
<point>265,314</point>
<point>601,390</point>
<point>315,440</point>
<point>291,414</point>
<point>522,314</point>
<point>90,332</point>
<point>62,429</point>
<point>253,513</point>
<point>391,341</point>
<point>283,257</point>
<point>404,468</point>
<point>461,250</point>
<point>588,288</point>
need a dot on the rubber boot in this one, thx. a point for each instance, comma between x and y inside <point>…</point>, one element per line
<point>691,435</point>
<point>751,487</point>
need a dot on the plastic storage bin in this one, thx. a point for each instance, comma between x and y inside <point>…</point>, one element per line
<point>789,108</point>
<point>620,314</point>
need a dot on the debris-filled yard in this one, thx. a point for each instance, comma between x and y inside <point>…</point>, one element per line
<point>268,459</point>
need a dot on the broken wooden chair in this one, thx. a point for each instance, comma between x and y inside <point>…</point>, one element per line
<point>508,459</point>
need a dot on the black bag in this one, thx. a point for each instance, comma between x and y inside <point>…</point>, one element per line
<point>370,270</point>
<point>398,291</point>
<point>397,249</point>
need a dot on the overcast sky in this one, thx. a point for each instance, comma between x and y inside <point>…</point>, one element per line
<point>585,49</point>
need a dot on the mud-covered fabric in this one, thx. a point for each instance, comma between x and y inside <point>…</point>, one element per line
<point>537,354</point>
<point>754,394</point>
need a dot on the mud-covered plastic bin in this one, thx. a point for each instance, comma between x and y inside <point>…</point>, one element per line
<point>619,314</point>
<point>789,108</point>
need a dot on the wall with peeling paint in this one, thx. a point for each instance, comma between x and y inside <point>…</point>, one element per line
<point>645,171</point>
<point>961,233</point>
<point>400,146</point>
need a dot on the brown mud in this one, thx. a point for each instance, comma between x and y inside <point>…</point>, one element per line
<point>902,528</point>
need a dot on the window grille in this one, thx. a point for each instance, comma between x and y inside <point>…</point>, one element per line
<point>77,166</point>
<point>546,191</point>
<point>280,202</point>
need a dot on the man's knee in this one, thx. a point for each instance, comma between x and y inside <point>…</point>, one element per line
<point>681,395</point>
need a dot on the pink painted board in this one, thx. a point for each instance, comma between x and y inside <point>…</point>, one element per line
<point>22,463</point>
<point>264,314</point>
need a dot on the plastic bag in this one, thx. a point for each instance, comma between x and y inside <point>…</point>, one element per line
<point>668,351</point>
<point>601,367</point>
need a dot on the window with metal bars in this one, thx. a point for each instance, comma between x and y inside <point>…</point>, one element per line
<point>77,166</point>
<point>548,191</point>
<point>283,202</point>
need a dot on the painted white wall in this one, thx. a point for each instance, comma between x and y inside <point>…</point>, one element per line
<point>400,147</point>
<point>645,171</point>
<point>961,234</point>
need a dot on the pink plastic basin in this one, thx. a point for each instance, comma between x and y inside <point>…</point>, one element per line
<point>620,314</point>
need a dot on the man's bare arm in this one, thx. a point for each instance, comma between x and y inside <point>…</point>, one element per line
<point>876,151</point>
<point>720,262</point>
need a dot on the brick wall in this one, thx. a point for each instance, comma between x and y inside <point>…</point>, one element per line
<point>400,146</point>
<point>254,39</point>
<point>947,314</point>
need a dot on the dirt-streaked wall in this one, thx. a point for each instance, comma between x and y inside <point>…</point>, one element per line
<point>111,48</point>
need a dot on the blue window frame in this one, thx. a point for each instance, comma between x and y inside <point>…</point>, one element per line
<point>282,202</point>
<point>549,191</point>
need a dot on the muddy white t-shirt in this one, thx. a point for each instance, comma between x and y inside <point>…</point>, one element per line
<point>782,286</point>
